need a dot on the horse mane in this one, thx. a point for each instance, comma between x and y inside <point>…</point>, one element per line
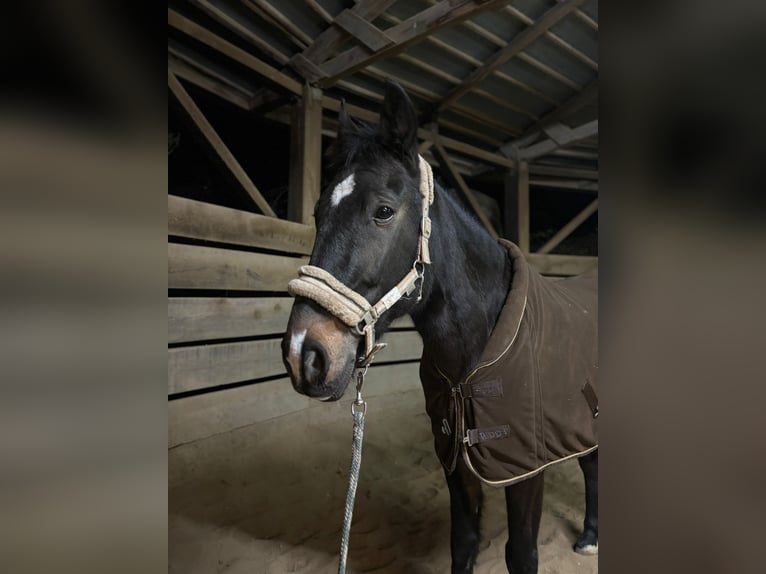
<point>360,142</point>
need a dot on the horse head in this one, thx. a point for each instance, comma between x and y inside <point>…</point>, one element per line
<point>368,222</point>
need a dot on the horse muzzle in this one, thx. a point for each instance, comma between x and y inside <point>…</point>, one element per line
<point>318,351</point>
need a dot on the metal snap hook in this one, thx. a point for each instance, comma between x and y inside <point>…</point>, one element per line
<point>359,405</point>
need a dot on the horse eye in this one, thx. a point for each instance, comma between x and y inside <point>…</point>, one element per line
<point>384,214</point>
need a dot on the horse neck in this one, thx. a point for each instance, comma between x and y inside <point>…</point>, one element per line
<point>466,286</point>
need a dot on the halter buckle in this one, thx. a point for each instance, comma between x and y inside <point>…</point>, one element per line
<point>425,226</point>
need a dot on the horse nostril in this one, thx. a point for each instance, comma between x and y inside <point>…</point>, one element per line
<point>315,363</point>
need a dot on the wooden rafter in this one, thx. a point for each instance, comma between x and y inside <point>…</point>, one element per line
<point>467,58</point>
<point>566,46</point>
<point>445,13</point>
<point>236,53</point>
<point>559,171</point>
<point>501,42</point>
<point>190,74</point>
<point>225,15</point>
<point>519,43</point>
<point>332,37</point>
<point>567,136</point>
<point>581,99</point>
<point>217,144</point>
<point>208,66</point>
<point>565,184</point>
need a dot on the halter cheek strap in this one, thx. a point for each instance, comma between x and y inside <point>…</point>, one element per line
<point>351,308</point>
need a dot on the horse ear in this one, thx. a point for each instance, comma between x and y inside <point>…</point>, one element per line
<point>399,123</point>
<point>343,117</point>
<point>345,125</point>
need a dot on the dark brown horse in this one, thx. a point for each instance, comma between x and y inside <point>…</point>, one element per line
<point>369,225</point>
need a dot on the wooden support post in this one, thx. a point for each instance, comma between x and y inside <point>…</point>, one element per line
<point>217,144</point>
<point>305,156</point>
<point>522,178</point>
<point>567,230</point>
<point>516,226</point>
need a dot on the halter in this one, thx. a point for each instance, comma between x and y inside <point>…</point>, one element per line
<point>350,307</point>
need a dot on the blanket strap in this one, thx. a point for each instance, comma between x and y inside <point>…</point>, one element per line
<point>591,397</point>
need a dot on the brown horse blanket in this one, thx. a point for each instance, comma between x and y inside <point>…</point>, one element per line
<point>531,399</point>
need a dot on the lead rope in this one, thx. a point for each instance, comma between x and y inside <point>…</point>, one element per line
<point>357,313</point>
<point>358,410</point>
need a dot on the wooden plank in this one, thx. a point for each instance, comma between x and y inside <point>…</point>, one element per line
<point>364,31</point>
<point>565,184</point>
<point>196,267</point>
<point>466,149</point>
<point>552,264</point>
<point>567,230</point>
<point>514,47</point>
<point>201,416</point>
<point>280,21</point>
<point>587,19</point>
<point>234,52</point>
<point>445,13</point>
<point>206,366</point>
<point>522,185</point>
<point>559,171</point>
<point>305,157</point>
<point>200,80</point>
<point>199,220</point>
<point>217,144</point>
<point>568,137</point>
<point>199,367</point>
<point>209,318</point>
<point>452,174</point>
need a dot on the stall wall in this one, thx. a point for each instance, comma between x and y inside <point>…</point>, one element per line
<point>227,312</point>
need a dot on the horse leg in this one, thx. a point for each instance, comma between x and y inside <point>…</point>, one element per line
<point>465,513</point>
<point>524,502</point>
<point>587,543</point>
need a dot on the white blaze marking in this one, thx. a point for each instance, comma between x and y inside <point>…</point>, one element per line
<point>296,343</point>
<point>343,189</point>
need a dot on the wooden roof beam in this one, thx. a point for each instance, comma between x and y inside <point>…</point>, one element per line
<point>566,137</point>
<point>581,99</point>
<point>417,27</point>
<point>560,171</point>
<point>332,37</point>
<point>234,52</point>
<point>223,13</point>
<point>193,75</point>
<point>565,184</point>
<point>519,43</point>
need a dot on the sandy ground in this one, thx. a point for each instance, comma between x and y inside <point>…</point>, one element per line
<point>268,498</point>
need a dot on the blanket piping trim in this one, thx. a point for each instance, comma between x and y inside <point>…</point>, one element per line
<point>509,481</point>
